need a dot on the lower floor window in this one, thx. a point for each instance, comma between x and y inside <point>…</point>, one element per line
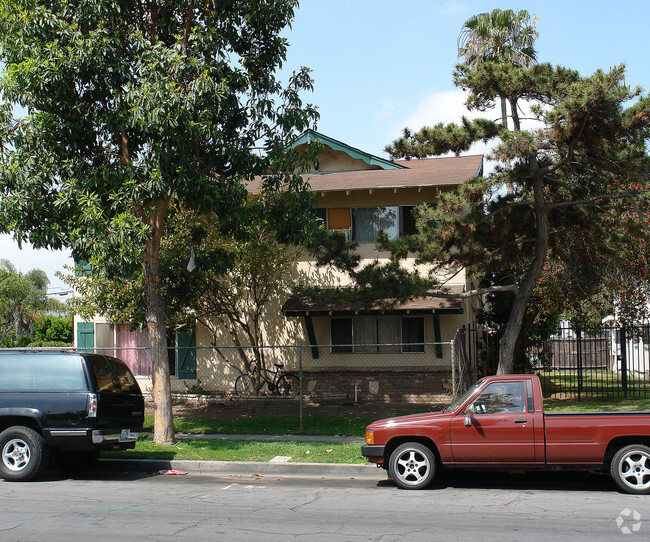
<point>384,334</point>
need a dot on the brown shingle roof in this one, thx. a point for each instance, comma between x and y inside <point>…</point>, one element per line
<point>448,171</point>
<point>298,305</point>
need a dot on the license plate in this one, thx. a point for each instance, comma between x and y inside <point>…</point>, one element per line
<point>127,434</point>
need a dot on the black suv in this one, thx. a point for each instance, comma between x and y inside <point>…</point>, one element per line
<point>73,403</point>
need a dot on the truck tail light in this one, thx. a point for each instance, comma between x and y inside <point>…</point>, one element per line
<point>370,436</point>
<point>92,405</point>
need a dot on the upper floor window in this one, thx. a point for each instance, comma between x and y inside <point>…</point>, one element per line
<point>364,223</point>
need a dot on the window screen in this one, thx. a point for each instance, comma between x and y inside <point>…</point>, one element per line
<point>367,221</point>
<point>406,221</point>
<point>384,334</point>
<point>413,334</point>
<point>341,335</point>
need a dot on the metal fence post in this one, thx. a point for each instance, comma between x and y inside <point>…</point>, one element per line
<point>624,361</point>
<point>454,391</point>
<point>300,395</point>
<point>579,353</point>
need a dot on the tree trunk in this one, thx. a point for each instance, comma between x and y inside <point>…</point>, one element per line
<point>504,113</point>
<point>162,399</point>
<point>515,321</point>
<point>516,125</point>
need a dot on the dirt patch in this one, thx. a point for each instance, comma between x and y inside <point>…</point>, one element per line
<point>226,409</point>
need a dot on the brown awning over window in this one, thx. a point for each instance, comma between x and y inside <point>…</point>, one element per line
<point>303,306</point>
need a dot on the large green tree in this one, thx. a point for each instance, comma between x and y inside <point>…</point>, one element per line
<point>233,277</point>
<point>556,186</point>
<point>132,105</point>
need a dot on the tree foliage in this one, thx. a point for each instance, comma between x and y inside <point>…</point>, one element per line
<point>132,106</point>
<point>501,34</point>
<point>503,37</point>
<point>567,198</point>
<point>233,278</point>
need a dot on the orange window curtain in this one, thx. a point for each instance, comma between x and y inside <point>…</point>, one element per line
<point>339,219</point>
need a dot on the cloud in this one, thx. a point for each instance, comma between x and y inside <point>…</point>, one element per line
<point>454,7</point>
<point>446,107</point>
<point>386,110</point>
<point>449,107</point>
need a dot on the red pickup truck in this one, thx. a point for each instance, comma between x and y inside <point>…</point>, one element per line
<point>499,422</point>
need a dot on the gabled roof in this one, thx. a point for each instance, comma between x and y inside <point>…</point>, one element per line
<point>450,171</point>
<point>310,136</point>
<point>428,172</point>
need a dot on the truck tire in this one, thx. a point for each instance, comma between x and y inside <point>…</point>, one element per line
<point>630,469</point>
<point>412,465</point>
<point>23,452</point>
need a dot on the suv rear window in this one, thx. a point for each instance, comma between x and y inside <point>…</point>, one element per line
<point>42,372</point>
<point>125,378</point>
<point>112,375</point>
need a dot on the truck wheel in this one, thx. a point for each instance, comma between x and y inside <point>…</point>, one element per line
<point>631,469</point>
<point>24,454</point>
<point>412,465</point>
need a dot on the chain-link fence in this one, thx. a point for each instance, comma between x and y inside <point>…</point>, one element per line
<point>410,373</point>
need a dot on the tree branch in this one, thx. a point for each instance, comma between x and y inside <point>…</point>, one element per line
<point>593,199</point>
<point>478,291</point>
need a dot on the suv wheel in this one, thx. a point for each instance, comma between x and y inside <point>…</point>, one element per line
<point>23,454</point>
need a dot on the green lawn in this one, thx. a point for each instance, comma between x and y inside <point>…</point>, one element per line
<point>325,424</point>
<point>614,405</point>
<point>331,424</point>
<point>245,450</point>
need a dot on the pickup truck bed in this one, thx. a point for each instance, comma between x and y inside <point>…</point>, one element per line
<point>500,422</point>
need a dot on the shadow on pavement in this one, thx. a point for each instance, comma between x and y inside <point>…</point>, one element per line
<point>567,480</point>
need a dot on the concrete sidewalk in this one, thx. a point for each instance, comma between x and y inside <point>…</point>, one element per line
<point>248,469</point>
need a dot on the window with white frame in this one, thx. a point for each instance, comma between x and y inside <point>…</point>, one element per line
<point>382,334</point>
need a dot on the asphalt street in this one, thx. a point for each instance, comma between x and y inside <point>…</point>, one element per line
<point>119,502</point>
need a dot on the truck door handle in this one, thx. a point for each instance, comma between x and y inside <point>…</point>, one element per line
<point>521,420</point>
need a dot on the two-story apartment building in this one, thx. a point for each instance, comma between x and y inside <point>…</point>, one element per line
<point>348,348</point>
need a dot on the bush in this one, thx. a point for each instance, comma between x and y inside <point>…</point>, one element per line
<point>49,344</point>
<point>54,329</point>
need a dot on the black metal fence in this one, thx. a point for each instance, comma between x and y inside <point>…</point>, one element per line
<point>572,362</point>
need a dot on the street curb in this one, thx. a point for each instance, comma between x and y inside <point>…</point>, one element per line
<point>248,468</point>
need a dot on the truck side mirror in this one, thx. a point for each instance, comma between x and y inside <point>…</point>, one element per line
<point>469,412</point>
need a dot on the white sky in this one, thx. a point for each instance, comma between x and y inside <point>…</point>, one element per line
<point>382,65</point>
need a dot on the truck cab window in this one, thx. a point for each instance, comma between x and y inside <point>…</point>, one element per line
<point>501,397</point>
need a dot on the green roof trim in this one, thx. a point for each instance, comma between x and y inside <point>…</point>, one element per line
<point>310,136</point>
